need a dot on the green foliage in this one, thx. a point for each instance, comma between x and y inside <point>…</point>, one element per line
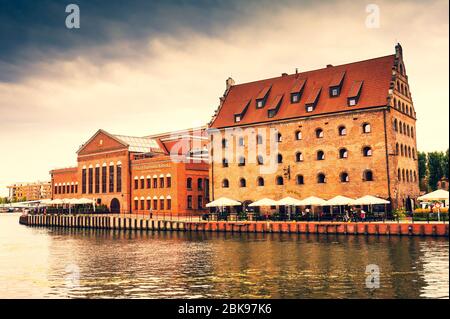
<point>422,158</point>
<point>435,168</point>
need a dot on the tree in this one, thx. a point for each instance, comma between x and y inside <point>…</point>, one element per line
<point>435,168</point>
<point>445,164</point>
<point>422,158</point>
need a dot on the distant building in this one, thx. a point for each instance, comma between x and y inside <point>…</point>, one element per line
<point>340,130</point>
<point>443,183</point>
<point>30,191</point>
<point>164,173</point>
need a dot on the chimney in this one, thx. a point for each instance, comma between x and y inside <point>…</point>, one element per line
<point>229,83</point>
<point>284,74</point>
<point>329,65</point>
<point>296,70</point>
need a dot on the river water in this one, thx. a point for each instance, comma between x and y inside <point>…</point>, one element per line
<point>65,263</point>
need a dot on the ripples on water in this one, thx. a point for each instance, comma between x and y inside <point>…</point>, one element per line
<point>40,262</point>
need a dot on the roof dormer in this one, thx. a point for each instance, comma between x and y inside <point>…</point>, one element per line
<point>240,115</point>
<point>297,91</point>
<point>354,93</point>
<point>275,106</point>
<point>313,98</point>
<point>261,99</point>
<point>336,84</point>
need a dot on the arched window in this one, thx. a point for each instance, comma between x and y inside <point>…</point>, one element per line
<point>395,125</point>
<point>407,130</point>
<point>242,182</point>
<point>401,69</point>
<point>241,141</point>
<point>299,180</point>
<point>342,130</point>
<point>241,161</point>
<point>403,175</point>
<point>299,157</point>
<point>415,176</point>
<point>279,137</point>
<point>320,155</point>
<point>402,151</point>
<point>407,176</point>
<point>225,183</point>
<point>279,158</point>
<point>279,180</point>
<point>399,175</point>
<point>319,133</point>
<point>225,162</point>
<point>404,128</point>
<point>260,181</point>
<point>397,149</point>
<point>344,177</point>
<point>259,139</point>
<point>368,175</point>
<point>410,175</point>
<point>298,135</point>
<point>401,127</point>
<point>343,153</point>
<point>412,132</point>
<point>321,179</point>
<point>409,152</point>
<point>366,128</point>
<point>398,86</point>
<point>395,102</point>
<point>189,183</point>
<point>260,159</point>
<point>413,153</point>
<point>367,151</point>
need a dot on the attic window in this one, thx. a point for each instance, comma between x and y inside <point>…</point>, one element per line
<point>275,106</point>
<point>297,91</point>
<point>312,100</point>
<point>238,116</point>
<point>354,93</point>
<point>336,84</point>
<point>261,99</point>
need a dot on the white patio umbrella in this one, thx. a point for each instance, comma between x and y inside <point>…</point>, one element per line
<point>46,201</point>
<point>264,202</point>
<point>339,201</point>
<point>223,202</point>
<point>289,201</point>
<point>312,201</point>
<point>438,195</point>
<point>371,200</point>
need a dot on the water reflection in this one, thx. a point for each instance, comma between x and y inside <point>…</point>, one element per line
<point>113,264</point>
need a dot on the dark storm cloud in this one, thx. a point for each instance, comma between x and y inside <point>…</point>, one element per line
<point>34,31</point>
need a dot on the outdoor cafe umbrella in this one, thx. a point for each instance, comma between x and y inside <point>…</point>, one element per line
<point>312,201</point>
<point>371,200</point>
<point>223,202</point>
<point>438,195</point>
<point>339,201</point>
<point>264,202</point>
<point>289,201</point>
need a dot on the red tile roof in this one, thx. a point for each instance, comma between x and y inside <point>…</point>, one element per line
<point>298,85</point>
<point>376,74</point>
<point>337,78</point>
<point>354,90</point>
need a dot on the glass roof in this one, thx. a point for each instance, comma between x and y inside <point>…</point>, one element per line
<point>139,144</point>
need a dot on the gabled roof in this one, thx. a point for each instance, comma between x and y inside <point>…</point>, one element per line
<point>376,74</point>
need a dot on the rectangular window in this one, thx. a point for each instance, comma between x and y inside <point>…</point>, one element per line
<point>155,182</point>
<point>56,189</point>
<point>189,202</point>
<point>149,183</point>
<point>83,181</point>
<point>309,108</point>
<point>148,204</point>
<point>91,180</point>
<point>119,178</point>
<point>136,204</point>
<point>142,204</point>
<point>142,183</point>
<point>97,180</point>
<point>155,204</point>
<point>200,202</point>
<point>161,182</point>
<point>64,189</point>
<point>76,188</point>
<point>237,118</point>
<point>207,190</point>
<point>136,184</point>
<point>161,204</point>
<point>169,182</point>
<point>104,172</point>
<point>169,204</point>
<point>199,184</point>
<point>295,97</point>
<point>72,188</point>
<point>111,178</point>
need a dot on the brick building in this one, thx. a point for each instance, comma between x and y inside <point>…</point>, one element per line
<point>340,130</point>
<point>29,191</point>
<point>165,173</point>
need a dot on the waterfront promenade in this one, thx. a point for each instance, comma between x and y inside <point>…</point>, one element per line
<point>143,223</point>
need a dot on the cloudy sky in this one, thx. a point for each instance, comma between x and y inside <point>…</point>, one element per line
<point>141,67</point>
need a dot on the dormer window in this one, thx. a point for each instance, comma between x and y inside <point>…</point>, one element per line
<point>297,91</point>
<point>312,100</point>
<point>261,99</point>
<point>275,106</point>
<point>354,93</point>
<point>238,116</point>
<point>336,84</point>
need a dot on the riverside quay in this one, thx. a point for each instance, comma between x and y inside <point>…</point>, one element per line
<point>345,130</point>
